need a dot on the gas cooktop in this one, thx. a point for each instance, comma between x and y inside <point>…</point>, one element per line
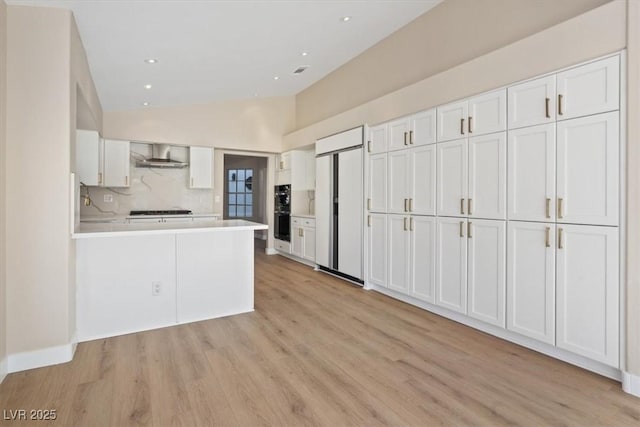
<point>162,212</point>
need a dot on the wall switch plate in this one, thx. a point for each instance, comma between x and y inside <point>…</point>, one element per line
<point>108,198</point>
<point>217,199</point>
<point>156,288</point>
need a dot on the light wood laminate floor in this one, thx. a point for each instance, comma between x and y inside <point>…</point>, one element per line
<point>316,351</point>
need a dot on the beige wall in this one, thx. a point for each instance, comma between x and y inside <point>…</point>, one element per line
<point>3,298</point>
<point>45,64</point>
<point>556,47</point>
<point>450,34</point>
<point>254,124</point>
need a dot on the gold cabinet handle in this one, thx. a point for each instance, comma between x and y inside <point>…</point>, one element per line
<point>469,230</point>
<point>405,223</point>
<point>281,164</point>
<point>369,146</point>
<point>560,241</point>
<point>369,204</point>
<point>462,126</point>
<point>547,243</point>
<point>462,206</point>
<point>368,220</point>
<point>546,108</point>
<point>405,205</point>
<point>548,208</point>
<point>99,177</point>
<point>410,205</point>
<point>411,137</point>
<point>405,138</point>
<point>560,208</point>
<point>411,224</point>
<point>559,104</point>
<point>302,232</point>
<point>469,125</point>
<point>469,205</point>
<point>461,228</point>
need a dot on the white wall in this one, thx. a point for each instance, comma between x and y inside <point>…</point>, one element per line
<point>3,297</point>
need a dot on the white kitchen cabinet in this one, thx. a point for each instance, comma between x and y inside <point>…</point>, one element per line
<point>422,263</point>
<point>487,176</point>
<point>282,246</point>
<point>398,246</point>
<point>486,241</point>
<point>89,157</point>
<point>116,163</point>
<point>296,238</point>
<point>309,243</point>
<point>422,180</point>
<point>283,161</point>
<point>532,173</point>
<point>303,238</point>
<point>422,129</point>
<point>588,292</point>
<point>589,89</point>
<point>588,170</point>
<point>451,264</point>
<point>377,185</point>
<point>452,121</point>
<point>377,249</point>
<point>399,133</point>
<point>532,103</point>
<point>200,167</point>
<point>531,262</point>
<point>487,113</point>
<point>398,181</point>
<point>302,169</point>
<point>377,142</point>
<point>452,178</point>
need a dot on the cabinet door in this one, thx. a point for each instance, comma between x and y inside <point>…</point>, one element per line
<point>377,253</point>
<point>297,243</point>
<point>324,210</point>
<point>452,178</point>
<point>452,121</point>
<point>116,163</point>
<point>487,270</point>
<point>200,167</point>
<point>423,128</point>
<point>589,89</point>
<point>422,180</point>
<point>284,161</point>
<point>488,176</point>
<point>422,265</point>
<point>587,291</point>
<point>531,280</point>
<point>532,173</point>
<point>588,170</point>
<point>451,267</point>
<point>309,243</point>
<point>88,157</point>
<point>398,231</point>
<point>488,113</point>
<point>398,180</point>
<point>399,133</point>
<point>377,142</point>
<point>377,188</point>
<point>532,103</point>
<point>310,169</point>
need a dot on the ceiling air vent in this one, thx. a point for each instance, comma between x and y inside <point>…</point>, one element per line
<point>299,70</point>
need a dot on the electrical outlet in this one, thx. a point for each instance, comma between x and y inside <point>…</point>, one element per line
<point>108,198</point>
<point>217,199</point>
<point>156,288</point>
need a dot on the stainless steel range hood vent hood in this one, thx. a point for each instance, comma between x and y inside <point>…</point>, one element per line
<point>161,159</point>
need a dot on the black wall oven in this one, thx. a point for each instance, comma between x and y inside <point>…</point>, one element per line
<point>282,208</point>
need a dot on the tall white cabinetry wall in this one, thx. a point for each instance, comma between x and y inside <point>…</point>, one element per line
<point>504,209</point>
<point>102,162</point>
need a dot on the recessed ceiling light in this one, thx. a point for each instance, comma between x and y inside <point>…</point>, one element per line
<point>147,86</point>
<point>145,104</point>
<point>345,19</point>
<point>150,61</point>
<point>276,78</point>
<point>255,94</point>
<point>304,53</point>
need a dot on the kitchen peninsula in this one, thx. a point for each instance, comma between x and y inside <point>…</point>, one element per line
<point>132,277</point>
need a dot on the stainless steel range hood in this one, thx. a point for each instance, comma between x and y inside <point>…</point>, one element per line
<point>161,159</point>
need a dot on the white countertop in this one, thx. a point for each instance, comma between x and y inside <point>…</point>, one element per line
<point>304,216</point>
<point>114,229</point>
<point>123,218</point>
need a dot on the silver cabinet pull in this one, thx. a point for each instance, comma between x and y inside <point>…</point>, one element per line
<point>469,128</point>
<point>462,206</point>
<point>369,204</point>
<point>461,126</point>
<point>405,138</point>
<point>548,208</point>
<point>411,137</point>
<point>368,220</point>
<point>369,146</point>
<point>547,243</point>
<point>546,108</point>
<point>560,240</point>
<point>405,204</point>
<point>469,230</point>
<point>405,223</point>
<point>461,228</point>
<point>560,207</point>
<point>410,205</point>
<point>469,205</point>
<point>560,105</point>
<point>411,224</point>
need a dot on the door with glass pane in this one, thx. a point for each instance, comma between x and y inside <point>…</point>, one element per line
<point>238,194</point>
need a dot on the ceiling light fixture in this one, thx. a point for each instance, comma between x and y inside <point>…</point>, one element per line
<point>345,19</point>
<point>150,61</point>
<point>276,78</point>
<point>304,53</point>
<point>145,104</point>
<point>147,86</point>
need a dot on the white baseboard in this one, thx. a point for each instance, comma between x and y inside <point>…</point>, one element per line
<point>43,357</point>
<point>540,347</point>
<point>3,369</point>
<point>631,383</point>
<point>270,251</point>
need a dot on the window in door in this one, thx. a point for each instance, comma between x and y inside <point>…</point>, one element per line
<point>239,193</point>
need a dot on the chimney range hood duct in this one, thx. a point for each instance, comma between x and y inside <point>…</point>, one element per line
<point>161,159</point>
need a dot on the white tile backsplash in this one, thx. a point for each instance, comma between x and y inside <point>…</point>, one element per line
<point>151,188</point>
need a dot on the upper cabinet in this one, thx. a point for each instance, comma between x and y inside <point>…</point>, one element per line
<point>418,129</point>
<point>89,157</point>
<point>284,161</point>
<point>302,165</point>
<point>482,114</point>
<point>116,163</point>
<point>377,142</point>
<point>200,167</point>
<point>589,89</point>
<point>532,103</point>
